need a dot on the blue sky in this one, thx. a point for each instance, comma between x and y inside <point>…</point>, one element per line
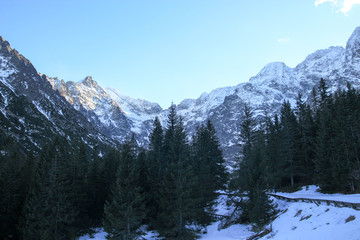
<point>168,50</point>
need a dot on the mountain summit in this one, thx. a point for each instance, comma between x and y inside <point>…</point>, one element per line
<point>118,116</point>
<point>353,47</point>
<point>31,112</point>
<point>265,92</point>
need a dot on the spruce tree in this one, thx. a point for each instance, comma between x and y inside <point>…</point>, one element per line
<point>177,183</point>
<point>306,144</point>
<point>258,208</point>
<point>324,141</point>
<point>124,211</point>
<point>77,173</point>
<point>13,189</point>
<point>251,174</point>
<point>274,171</point>
<point>210,171</point>
<point>108,171</point>
<point>156,164</point>
<point>95,194</point>
<point>290,138</point>
<point>49,213</point>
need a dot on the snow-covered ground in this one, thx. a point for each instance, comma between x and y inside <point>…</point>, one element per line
<point>312,193</point>
<point>299,220</point>
<point>296,220</point>
<point>309,221</point>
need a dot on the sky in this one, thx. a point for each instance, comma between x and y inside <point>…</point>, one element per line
<point>167,50</point>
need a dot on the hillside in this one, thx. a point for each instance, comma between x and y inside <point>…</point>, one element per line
<point>116,115</point>
<point>296,220</point>
<point>31,112</point>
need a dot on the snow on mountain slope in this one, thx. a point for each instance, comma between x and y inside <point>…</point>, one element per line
<point>273,85</point>
<point>311,222</point>
<point>117,116</point>
<point>311,192</point>
<point>6,68</point>
<point>31,112</point>
<point>296,220</point>
<point>353,47</point>
<point>300,220</point>
<point>138,110</point>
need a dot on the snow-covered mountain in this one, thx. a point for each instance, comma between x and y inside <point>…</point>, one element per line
<point>117,116</point>
<point>111,113</point>
<point>274,84</point>
<point>31,112</point>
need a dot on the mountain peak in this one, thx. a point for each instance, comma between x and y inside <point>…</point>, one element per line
<point>17,59</point>
<point>353,44</point>
<point>89,82</point>
<point>4,46</point>
<point>270,71</point>
<point>274,66</point>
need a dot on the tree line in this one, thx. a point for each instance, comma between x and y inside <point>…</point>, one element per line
<point>316,142</point>
<point>67,190</point>
<point>172,187</point>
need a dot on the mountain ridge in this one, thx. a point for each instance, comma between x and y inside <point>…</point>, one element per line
<point>31,111</point>
<point>118,117</point>
<point>265,92</point>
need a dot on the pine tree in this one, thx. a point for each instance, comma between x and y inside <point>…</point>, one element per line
<point>337,160</point>
<point>251,174</point>
<point>177,182</point>
<point>290,137</point>
<point>77,172</point>
<point>258,208</point>
<point>13,189</point>
<point>210,171</point>
<point>274,171</point>
<point>124,212</point>
<point>352,132</point>
<point>49,213</point>
<point>324,140</point>
<point>95,195</point>
<point>306,144</point>
<point>108,171</point>
<point>156,164</point>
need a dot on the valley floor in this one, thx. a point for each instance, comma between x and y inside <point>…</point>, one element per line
<point>295,221</point>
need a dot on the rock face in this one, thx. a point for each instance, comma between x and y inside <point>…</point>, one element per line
<point>31,111</point>
<point>274,84</point>
<point>111,113</point>
<point>118,116</point>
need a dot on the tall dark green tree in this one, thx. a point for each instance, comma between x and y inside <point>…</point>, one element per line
<point>306,144</point>
<point>15,175</point>
<point>251,174</point>
<point>49,212</point>
<point>77,173</point>
<point>210,171</point>
<point>108,171</point>
<point>325,146</point>
<point>176,203</point>
<point>124,212</point>
<point>290,137</point>
<point>156,165</point>
<point>95,194</point>
<point>258,208</point>
<point>337,149</point>
<point>273,153</point>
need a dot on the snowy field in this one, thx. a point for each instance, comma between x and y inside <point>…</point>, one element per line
<point>296,220</point>
<point>308,221</point>
<point>312,193</point>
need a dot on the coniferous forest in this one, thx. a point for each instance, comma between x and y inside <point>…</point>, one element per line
<point>65,191</point>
